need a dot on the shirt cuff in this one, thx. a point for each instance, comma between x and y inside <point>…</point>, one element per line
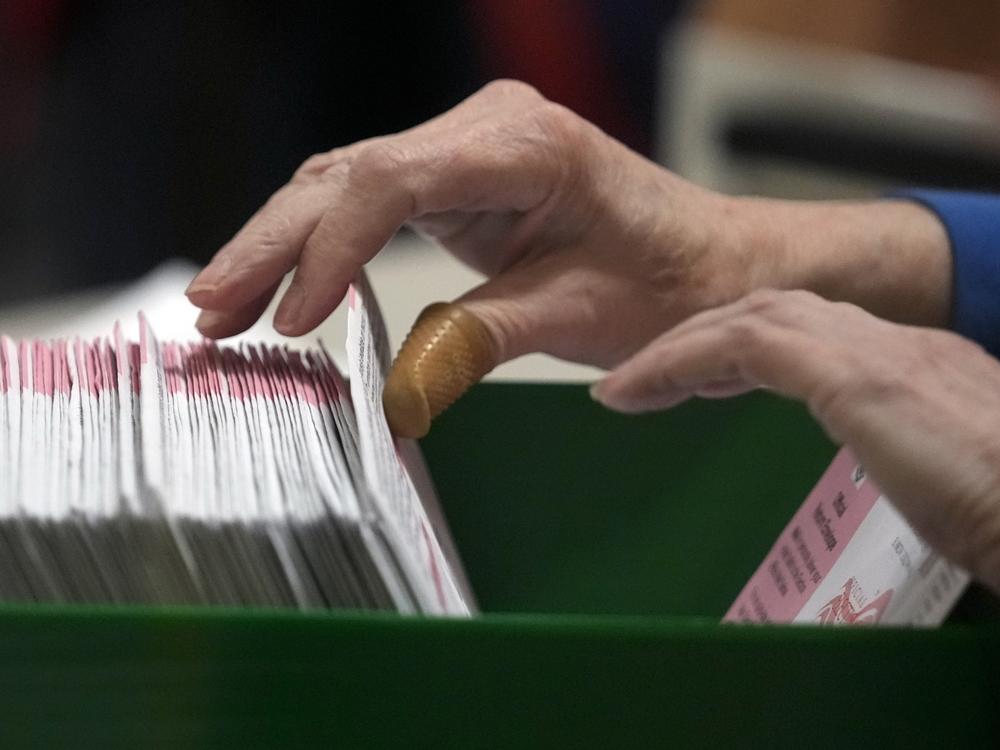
<point>972,221</point>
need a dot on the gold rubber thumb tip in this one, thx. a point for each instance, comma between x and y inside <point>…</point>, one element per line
<point>405,404</point>
<point>447,351</point>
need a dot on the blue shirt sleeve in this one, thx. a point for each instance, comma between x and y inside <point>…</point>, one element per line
<point>972,221</point>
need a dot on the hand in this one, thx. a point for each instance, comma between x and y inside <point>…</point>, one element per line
<point>919,407</point>
<point>592,249</point>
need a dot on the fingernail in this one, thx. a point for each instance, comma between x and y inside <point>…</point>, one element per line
<point>210,277</point>
<point>597,391</point>
<point>208,320</point>
<point>200,293</point>
<point>630,402</point>
<point>287,316</point>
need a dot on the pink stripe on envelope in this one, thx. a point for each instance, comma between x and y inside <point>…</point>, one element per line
<point>261,384</point>
<point>305,381</point>
<point>231,361</point>
<point>173,368</point>
<point>120,352</point>
<point>61,363</point>
<point>4,368</point>
<point>211,369</point>
<point>43,369</point>
<point>282,386</point>
<point>196,372</point>
<point>81,366</point>
<point>108,367</point>
<point>93,376</point>
<point>135,359</point>
<point>24,365</point>
<point>143,339</point>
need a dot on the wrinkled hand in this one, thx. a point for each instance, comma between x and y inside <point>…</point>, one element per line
<point>919,407</point>
<point>586,243</point>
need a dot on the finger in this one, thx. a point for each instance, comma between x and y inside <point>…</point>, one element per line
<point>270,244</point>
<point>392,181</point>
<point>264,250</point>
<point>356,223</point>
<point>220,324</point>
<point>748,350</point>
<point>667,373</point>
<point>794,308</point>
<point>725,389</point>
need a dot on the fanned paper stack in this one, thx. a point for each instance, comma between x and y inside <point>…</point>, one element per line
<point>169,473</point>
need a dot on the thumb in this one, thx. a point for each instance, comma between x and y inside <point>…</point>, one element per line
<point>448,350</point>
<point>452,346</point>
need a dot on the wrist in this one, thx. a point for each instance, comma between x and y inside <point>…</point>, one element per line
<point>738,248</point>
<point>891,257</point>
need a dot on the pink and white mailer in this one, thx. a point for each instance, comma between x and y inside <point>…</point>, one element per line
<point>848,557</point>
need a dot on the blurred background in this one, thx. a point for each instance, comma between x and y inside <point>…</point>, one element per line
<point>133,132</point>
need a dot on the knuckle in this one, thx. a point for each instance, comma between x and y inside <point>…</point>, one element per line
<point>748,333</point>
<point>850,384</point>
<point>556,121</point>
<point>924,344</point>
<point>269,230</point>
<point>336,173</point>
<point>764,301</point>
<point>510,88</point>
<point>852,315</point>
<point>831,399</point>
<point>803,298</point>
<point>377,162</point>
<point>660,378</point>
<point>921,353</point>
<point>938,343</point>
<point>781,306</point>
<point>315,165</point>
<point>507,327</point>
<point>764,307</point>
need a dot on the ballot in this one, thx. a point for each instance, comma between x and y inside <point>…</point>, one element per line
<point>163,472</point>
<point>848,557</point>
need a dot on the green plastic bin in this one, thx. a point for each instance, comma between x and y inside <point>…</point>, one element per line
<point>604,550</point>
